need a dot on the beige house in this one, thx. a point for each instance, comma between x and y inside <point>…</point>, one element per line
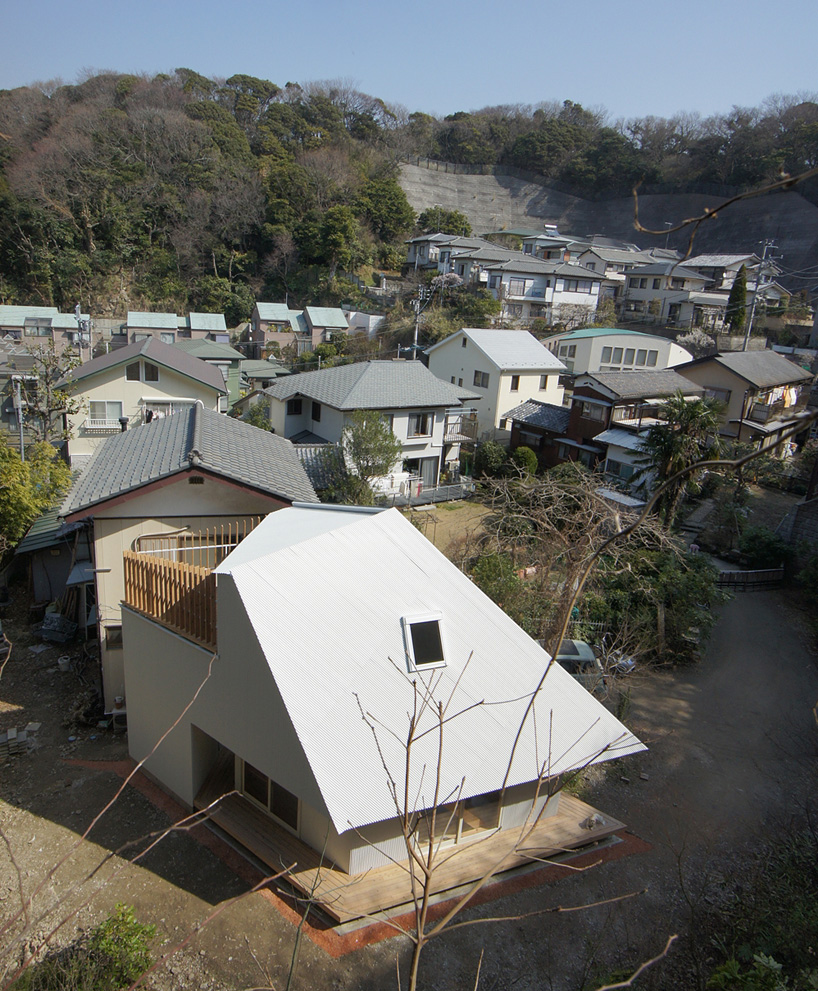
<point>135,384</point>
<point>504,367</point>
<point>302,654</point>
<point>762,392</point>
<point>166,484</point>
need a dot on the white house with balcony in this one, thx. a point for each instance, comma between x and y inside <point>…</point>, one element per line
<point>506,367</point>
<point>131,385</point>
<point>428,416</point>
<point>552,291</point>
<point>610,349</point>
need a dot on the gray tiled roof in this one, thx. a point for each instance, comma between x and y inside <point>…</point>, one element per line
<point>167,355</point>
<point>638,385</point>
<point>372,385</point>
<point>763,369</point>
<point>533,413</point>
<point>193,438</point>
<point>539,266</point>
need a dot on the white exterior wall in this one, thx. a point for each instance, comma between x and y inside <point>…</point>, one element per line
<point>112,386</point>
<point>454,363</point>
<point>156,512</point>
<point>588,352</point>
<point>333,421</point>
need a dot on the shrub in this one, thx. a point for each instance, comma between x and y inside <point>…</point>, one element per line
<point>525,459</point>
<point>109,957</point>
<point>763,548</point>
<point>489,459</point>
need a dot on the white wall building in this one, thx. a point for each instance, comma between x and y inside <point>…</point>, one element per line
<point>506,367</point>
<point>609,349</point>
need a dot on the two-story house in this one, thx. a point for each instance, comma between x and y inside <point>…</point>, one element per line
<point>762,392</point>
<point>669,293</point>
<point>274,326</point>
<point>505,367</point>
<point>135,384</point>
<point>425,413</point>
<point>548,290</point>
<point>189,485</point>
<point>221,356</point>
<point>37,325</point>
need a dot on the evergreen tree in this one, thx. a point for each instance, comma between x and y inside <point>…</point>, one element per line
<point>737,302</point>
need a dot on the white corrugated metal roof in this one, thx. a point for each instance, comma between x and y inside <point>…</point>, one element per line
<point>325,591</point>
<point>620,438</point>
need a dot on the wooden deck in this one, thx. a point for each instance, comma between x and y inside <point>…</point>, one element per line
<point>345,897</point>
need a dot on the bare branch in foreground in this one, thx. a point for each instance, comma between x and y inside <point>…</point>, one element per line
<point>642,968</point>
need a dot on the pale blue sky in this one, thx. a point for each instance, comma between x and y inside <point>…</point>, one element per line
<point>632,57</point>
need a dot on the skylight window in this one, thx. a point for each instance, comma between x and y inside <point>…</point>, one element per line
<point>423,640</point>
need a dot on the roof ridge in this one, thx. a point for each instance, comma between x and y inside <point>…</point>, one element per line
<point>194,455</point>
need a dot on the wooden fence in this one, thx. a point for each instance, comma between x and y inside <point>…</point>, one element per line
<point>751,581</point>
<point>178,595</point>
<point>205,548</point>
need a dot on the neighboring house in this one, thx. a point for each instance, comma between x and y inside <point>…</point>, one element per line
<point>622,400</point>
<point>673,295</point>
<point>334,623</point>
<point>221,356</point>
<point>609,349</point>
<point>258,373</point>
<point>204,326</point>
<point>762,392</point>
<point>614,263</point>
<point>162,327</point>
<point>426,414</point>
<point>502,366</point>
<point>35,325</point>
<point>552,291</point>
<point>167,483</point>
<point>132,385</point>
<point>424,251</point>
<point>537,425</point>
<point>367,324</point>
<point>274,326</point>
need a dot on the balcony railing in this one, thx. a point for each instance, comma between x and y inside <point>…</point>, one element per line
<point>180,596</point>
<point>762,412</point>
<point>170,578</point>
<point>461,427</point>
<point>91,423</point>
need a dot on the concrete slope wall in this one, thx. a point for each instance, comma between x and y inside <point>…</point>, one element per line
<point>493,202</point>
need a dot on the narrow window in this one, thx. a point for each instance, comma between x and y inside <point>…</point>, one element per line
<point>151,372</point>
<point>543,382</point>
<point>606,355</point>
<point>617,355</point>
<point>641,356</point>
<point>463,343</point>
<point>515,383</point>
<point>132,371</point>
<point>628,356</point>
<point>652,356</point>
<point>316,412</point>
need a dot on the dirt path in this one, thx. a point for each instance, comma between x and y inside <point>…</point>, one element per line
<point>733,747</point>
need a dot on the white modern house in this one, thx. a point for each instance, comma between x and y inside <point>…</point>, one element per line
<point>427,415</point>
<point>135,384</point>
<point>332,623</point>
<point>610,349</point>
<point>505,367</point>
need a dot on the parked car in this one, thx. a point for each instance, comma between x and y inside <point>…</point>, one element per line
<point>615,660</point>
<point>580,661</point>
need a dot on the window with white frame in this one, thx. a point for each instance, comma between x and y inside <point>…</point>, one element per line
<point>423,641</point>
<point>543,383</point>
<point>578,285</point>
<point>142,371</point>
<point>606,355</point>
<point>641,357</point>
<point>591,411</point>
<point>481,380</point>
<point>270,795</point>
<point>105,412</point>
<point>652,358</point>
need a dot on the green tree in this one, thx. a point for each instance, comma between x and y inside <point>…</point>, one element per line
<point>437,219</point>
<point>258,415</point>
<point>49,395</point>
<point>525,459</point>
<point>737,302</point>
<point>28,488</point>
<point>383,203</point>
<point>368,450</point>
<point>689,432</point>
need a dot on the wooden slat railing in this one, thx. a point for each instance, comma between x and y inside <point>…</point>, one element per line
<point>180,596</point>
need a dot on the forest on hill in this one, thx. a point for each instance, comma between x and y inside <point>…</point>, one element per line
<point>179,192</point>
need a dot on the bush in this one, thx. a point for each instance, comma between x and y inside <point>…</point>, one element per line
<point>525,459</point>
<point>489,459</point>
<point>109,957</point>
<point>764,549</point>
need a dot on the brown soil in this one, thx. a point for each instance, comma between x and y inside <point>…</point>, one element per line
<point>733,745</point>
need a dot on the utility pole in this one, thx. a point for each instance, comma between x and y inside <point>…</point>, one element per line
<point>419,304</point>
<point>769,245</point>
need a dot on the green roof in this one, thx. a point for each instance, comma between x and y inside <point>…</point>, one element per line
<point>602,332</point>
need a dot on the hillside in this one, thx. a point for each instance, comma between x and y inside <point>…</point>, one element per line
<point>495,202</point>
